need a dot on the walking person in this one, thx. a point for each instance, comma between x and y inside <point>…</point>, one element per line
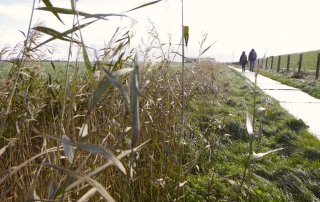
<point>252,59</point>
<point>243,61</point>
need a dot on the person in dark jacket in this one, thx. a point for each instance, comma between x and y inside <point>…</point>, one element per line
<point>243,61</point>
<point>252,59</point>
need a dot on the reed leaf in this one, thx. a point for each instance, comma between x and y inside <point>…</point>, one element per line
<point>144,5</point>
<point>74,12</point>
<point>124,38</point>
<point>259,155</point>
<point>3,149</point>
<point>35,196</point>
<point>259,111</point>
<point>57,35</point>
<point>102,15</point>
<point>105,85</point>
<point>186,34</point>
<point>32,192</point>
<point>205,50</point>
<point>63,11</point>
<point>87,195</point>
<point>91,148</point>
<point>52,189</point>
<point>269,113</point>
<point>113,80</point>
<point>134,103</point>
<point>23,33</point>
<point>87,63</point>
<point>101,168</point>
<point>68,149</point>
<point>121,72</point>
<point>98,93</point>
<point>84,130</point>
<point>249,126</point>
<point>53,66</point>
<point>49,5</point>
<point>89,180</point>
<point>177,53</point>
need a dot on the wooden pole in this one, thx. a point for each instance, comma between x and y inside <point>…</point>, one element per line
<point>318,66</point>
<point>278,68</point>
<point>261,62</point>
<point>271,61</point>
<point>300,62</point>
<point>267,63</point>
<point>288,63</point>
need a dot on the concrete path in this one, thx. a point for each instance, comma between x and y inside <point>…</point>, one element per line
<point>299,104</point>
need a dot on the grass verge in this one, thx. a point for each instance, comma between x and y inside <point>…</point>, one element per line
<point>218,121</point>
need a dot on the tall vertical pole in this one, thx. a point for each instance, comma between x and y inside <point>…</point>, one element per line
<point>300,63</point>
<point>181,135</point>
<point>279,60</point>
<point>267,63</point>
<point>288,63</point>
<point>318,66</point>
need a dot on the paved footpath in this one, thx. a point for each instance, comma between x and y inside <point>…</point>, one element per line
<point>299,104</point>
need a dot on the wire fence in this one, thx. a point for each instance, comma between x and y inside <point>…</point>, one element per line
<point>295,62</point>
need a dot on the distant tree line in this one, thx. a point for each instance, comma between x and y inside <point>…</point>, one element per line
<point>190,60</point>
<point>45,60</point>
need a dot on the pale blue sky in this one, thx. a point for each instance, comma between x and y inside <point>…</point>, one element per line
<point>278,26</point>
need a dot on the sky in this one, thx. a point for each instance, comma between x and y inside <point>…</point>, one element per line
<point>271,27</point>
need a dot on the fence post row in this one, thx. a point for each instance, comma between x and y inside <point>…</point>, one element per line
<point>278,68</point>
<point>288,63</point>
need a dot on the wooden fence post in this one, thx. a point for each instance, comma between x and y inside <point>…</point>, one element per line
<point>261,63</point>
<point>271,61</point>
<point>318,66</point>
<point>267,63</point>
<point>288,63</point>
<point>278,69</point>
<point>300,62</point>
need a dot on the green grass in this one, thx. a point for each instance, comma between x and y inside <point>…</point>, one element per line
<point>54,69</point>
<point>272,173</point>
